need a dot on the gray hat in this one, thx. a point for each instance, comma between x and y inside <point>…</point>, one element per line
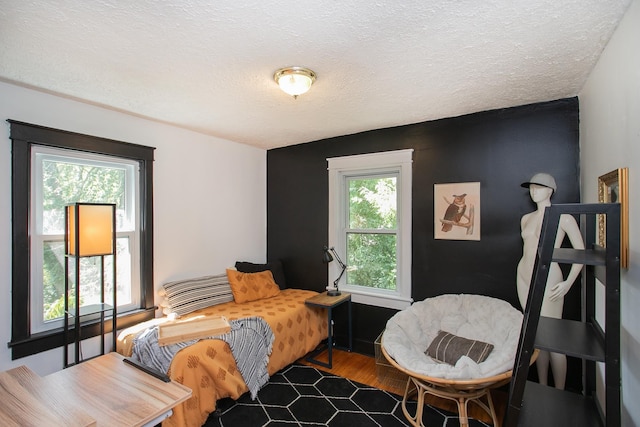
<point>543,179</point>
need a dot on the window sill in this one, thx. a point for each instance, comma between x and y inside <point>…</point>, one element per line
<point>44,341</point>
<point>377,299</point>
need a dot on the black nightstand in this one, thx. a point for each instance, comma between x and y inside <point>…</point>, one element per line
<point>329,303</point>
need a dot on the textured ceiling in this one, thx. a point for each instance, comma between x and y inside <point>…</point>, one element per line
<point>207,65</point>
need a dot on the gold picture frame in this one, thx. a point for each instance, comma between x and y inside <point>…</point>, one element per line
<point>613,187</point>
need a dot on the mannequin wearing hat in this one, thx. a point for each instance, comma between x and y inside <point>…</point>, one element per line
<point>541,187</point>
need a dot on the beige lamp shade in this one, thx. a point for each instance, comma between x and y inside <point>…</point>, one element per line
<point>94,226</point>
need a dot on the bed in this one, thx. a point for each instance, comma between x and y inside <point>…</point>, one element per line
<point>208,366</point>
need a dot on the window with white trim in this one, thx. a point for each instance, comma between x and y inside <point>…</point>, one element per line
<point>370,226</point>
<point>61,176</point>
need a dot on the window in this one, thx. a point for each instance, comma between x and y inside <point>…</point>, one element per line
<point>51,168</point>
<point>370,223</point>
<point>59,177</point>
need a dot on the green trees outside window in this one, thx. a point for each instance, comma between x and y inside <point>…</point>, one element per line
<point>372,232</point>
<point>62,180</point>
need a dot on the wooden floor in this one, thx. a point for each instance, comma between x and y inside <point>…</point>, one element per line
<point>362,368</point>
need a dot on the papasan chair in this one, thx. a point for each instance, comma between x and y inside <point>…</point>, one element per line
<point>456,347</point>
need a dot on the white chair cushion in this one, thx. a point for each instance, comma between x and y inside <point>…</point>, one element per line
<point>409,332</point>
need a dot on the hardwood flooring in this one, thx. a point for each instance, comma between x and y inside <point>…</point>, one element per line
<point>362,368</point>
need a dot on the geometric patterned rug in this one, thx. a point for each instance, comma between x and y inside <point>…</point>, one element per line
<point>301,395</point>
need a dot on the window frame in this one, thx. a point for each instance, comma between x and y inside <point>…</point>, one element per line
<point>366,165</point>
<point>23,137</point>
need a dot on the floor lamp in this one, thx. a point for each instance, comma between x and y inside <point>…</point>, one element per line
<point>90,230</point>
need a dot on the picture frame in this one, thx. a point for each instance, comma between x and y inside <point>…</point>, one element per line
<point>456,210</point>
<point>613,187</point>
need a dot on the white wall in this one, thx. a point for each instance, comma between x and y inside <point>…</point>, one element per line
<point>209,206</point>
<point>610,138</point>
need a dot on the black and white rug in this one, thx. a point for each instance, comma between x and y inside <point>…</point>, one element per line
<point>304,396</point>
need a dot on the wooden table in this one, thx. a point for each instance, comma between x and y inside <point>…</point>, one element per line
<point>23,402</point>
<point>103,391</point>
<point>329,303</point>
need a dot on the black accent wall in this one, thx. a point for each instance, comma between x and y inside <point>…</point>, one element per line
<point>499,148</point>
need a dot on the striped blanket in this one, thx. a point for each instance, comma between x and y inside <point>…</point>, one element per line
<point>250,339</point>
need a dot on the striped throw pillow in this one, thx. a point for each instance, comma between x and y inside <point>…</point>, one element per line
<point>185,296</point>
<point>448,348</point>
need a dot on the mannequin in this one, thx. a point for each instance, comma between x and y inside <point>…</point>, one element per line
<point>541,187</point>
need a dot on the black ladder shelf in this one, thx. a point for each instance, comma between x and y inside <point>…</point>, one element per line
<point>532,404</point>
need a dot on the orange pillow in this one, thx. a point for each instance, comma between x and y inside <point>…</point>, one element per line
<point>252,286</point>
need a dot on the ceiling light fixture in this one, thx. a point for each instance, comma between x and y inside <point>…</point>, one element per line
<point>294,80</point>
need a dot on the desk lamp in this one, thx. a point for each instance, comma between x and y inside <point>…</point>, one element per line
<point>327,258</point>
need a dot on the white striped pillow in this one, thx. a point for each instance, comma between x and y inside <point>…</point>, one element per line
<point>185,296</point>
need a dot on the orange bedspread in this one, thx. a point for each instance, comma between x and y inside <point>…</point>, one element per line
<point>208,367</point>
